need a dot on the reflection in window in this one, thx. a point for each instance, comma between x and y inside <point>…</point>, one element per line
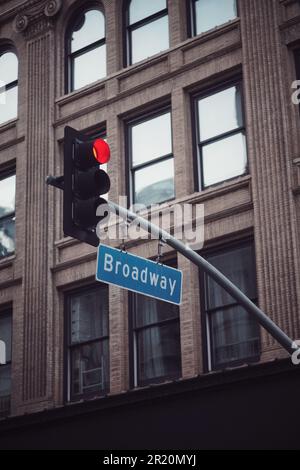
<point>152,160</point>
<point>88,343</point>
<point>221,136</point>
<point>5,369</point>
<point>156,340</point>
<point>8,86</point>
<point>147,28</point>
<point>7,215</point>
<point>207,14</point>
<point>87,50</point>
<point>234,334</point>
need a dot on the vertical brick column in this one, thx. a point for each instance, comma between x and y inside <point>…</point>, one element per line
<point>118,298</point>
<point>118,339</point>
<point>190,332</point>
<point>270,165</point>
<point>35,386</point>
<point>182,145</point>
<point>177,21</point>
<point>114,35</point>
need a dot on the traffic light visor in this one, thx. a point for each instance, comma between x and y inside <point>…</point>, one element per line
<point>101,151</point>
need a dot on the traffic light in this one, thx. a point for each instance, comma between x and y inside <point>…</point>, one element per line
<point>83,183</point>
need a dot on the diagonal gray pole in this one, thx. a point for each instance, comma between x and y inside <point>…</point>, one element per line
<point>235,292</point>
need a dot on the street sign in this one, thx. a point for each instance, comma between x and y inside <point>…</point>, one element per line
<point>138,274</point>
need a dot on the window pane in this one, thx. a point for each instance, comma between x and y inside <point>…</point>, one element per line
<point>90,368</point>
<point>7,236</point>
<point>158,351</point>
<point>211,13</point>
<point>140,9</point>
<point>90,28</point>
<point>235,336</point>
<point>151,139</point>
<point>5,333</point>
<point>149,39</point>
<point>89,67</point>
<point>89,315</point>
<point>5,381</point>
<point>238,265</point>
<point>220,113</point>
<point>8,68</point>
<point>155,183</point>
<point>7,195</point>
<point>8,104</point>
<point>224,159</point>
<point>150,310</point>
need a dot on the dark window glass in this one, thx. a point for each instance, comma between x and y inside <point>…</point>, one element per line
<point>234,334</point>
<point>87,50</point>
<point>8,86</point>
<point>152,166</point>
<point>5,369</point>
<point>88,343</point>
<point>148,29</point>
<point>156,331</point>
<point>221,136</point>
<point>7,215</point>
<point>210,13</point>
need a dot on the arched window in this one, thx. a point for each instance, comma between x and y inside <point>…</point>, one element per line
<point>147,29</point>
<point>8,85</point>
<point>86,50</point>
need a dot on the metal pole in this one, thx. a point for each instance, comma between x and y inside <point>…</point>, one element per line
<point>235,292</point>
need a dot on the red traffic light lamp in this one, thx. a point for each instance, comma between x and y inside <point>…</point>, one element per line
<point>101,151</point>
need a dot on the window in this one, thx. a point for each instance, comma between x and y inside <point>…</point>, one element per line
<point>7,214</point>
<point>147,29</point>
<point>8,86</point>
<point>86,50</point>
<point>5,369</point>
<point>206,14</point>
<point>151,157</point>
<point>221,139</point>
<point>88,342</point>
<point>156,340</point>
<point>234,335</point>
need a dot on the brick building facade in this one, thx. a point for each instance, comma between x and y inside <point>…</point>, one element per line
<point>245,60</point>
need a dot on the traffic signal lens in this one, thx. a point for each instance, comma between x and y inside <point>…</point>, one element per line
<point>101,151</point>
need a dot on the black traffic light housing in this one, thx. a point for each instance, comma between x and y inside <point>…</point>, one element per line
<point>83,183</point>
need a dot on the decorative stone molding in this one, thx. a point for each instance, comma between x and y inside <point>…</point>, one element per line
<point>36,17</point>
<point>20,23</point>
<point>52,7</point>
<point>40,93</point>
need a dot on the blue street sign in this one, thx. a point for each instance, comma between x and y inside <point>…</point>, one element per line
<point>138,274</point>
